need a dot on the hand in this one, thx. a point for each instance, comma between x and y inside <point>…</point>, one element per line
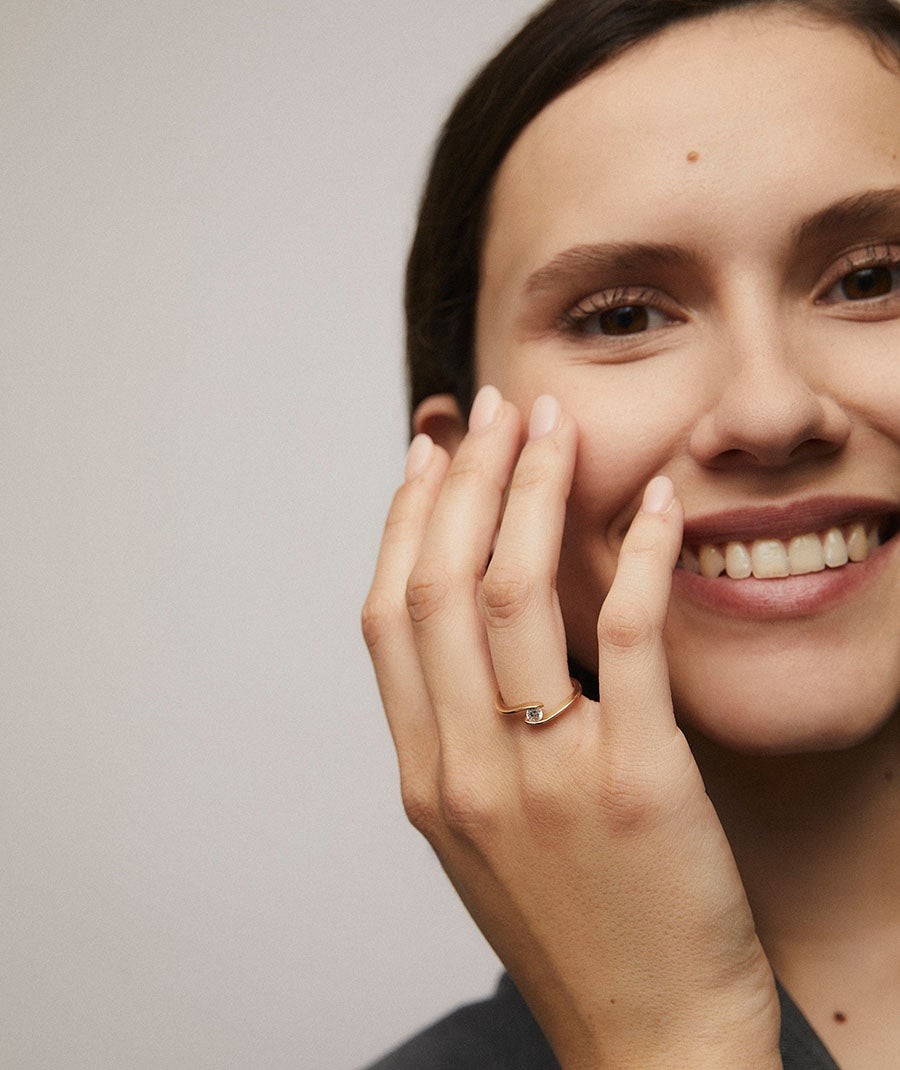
<point>586,849</point>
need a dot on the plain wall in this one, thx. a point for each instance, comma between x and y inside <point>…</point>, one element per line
<point>206,209</point>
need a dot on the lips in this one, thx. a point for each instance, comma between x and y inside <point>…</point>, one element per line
<point>775,542</point>
<point>784,521</point>
<point>803,531</point>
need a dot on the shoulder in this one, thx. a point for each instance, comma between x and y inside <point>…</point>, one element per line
<point>496,1034</point>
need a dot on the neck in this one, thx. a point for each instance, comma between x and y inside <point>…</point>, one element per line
<point>815,839</point>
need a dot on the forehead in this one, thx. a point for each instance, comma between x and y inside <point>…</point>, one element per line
<point>699,125</point>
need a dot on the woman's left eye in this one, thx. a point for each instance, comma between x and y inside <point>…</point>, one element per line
<point>869,282</point>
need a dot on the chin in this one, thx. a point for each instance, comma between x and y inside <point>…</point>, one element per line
<point>820,681</point>
<point>798,710</point>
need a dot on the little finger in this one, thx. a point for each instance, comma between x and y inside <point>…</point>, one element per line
<point>386,625</point>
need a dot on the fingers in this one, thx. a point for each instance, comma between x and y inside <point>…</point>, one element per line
<point>443,589</point>
<point>385,621</point>
<point>635,699</point>
<point>519,602</point>
<point>443,642</point>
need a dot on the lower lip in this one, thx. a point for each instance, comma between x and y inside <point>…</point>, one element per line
<point>792,596</point>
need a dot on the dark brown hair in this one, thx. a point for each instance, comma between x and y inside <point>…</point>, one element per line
<point>561,44</point>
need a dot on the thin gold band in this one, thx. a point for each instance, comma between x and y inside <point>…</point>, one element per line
<point>535,712</point>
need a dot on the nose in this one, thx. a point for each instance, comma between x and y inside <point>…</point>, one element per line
<point>766,410</point>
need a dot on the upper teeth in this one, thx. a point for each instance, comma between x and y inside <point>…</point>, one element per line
<point>772,558</point>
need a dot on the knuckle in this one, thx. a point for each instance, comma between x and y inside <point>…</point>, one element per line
<point>624,627</point>
<point>468,810</point>
<point>420,806</point>
<point>466,468</point>
<point>558,806</point>
<point>506,594</point>
<point>630,801</point>
<point>531,473</point>
<point>643,542</point>
<point>470,468</point>
<point>377,615</point>
<point>427,592</point>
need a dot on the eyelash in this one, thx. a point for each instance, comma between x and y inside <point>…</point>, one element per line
<point>872,257</point>
<point>576,320</point>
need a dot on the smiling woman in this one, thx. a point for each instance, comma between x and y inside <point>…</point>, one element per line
<point>669,232</point>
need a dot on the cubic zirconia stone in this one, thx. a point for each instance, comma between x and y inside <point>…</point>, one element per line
<point>534,714</point>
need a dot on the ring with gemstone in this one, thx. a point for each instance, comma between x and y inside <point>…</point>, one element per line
<point>535,712</point>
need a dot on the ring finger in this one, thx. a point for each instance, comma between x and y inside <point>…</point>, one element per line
<point>521,610</point>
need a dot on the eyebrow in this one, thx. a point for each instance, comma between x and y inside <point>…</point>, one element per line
<point>633,258</point>
<point>614,257</point>
<point>851,213</point>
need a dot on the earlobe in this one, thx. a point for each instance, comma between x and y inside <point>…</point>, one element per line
<point>440,417</point>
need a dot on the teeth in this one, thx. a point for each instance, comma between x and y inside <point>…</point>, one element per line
<point>857,543</point>
<point>807,554</point>
<point>835,548</point>
<point>737,561</point>
<point>773,558</point>
<point>770,559</point>
<point>712,562</point>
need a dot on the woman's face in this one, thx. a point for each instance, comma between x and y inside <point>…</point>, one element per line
<point>697,250</point>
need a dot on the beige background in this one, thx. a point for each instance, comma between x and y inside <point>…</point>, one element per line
<point>206,207</point>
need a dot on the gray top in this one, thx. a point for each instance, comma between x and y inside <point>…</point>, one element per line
<point>500,1034</point>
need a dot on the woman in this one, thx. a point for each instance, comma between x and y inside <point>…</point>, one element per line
<point>662,241</point>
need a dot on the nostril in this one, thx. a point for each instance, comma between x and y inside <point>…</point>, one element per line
<point>813,448</point>
<point>733,459</point>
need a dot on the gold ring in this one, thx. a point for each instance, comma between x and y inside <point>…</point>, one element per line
<point>535,713</point>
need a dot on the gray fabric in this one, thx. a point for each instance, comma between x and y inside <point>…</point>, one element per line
<point>500,1034</point>
<point>801,1048</point>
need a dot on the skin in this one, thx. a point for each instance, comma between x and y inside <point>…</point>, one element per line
<point>756,394</point>
<point>640,923</point>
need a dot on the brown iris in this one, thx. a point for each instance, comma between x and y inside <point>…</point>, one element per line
<point>627,319</point>
<point>867,282</point>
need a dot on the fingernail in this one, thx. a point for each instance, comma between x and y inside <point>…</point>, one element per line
<point>659,495</point>
<point>418,456</point>
<point>484,408</point>
<point>544,416</point>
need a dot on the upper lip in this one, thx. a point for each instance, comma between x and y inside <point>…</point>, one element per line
<point>782,521</point>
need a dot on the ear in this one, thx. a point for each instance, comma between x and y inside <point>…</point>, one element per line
<point>440,417</point>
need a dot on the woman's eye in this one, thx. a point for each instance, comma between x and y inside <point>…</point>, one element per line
<point>866,284</point>
<point>618,321</point>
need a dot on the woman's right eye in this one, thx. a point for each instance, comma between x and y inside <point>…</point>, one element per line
<point>614,316</point>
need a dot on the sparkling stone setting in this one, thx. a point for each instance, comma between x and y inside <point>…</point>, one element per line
<point>534,714</point>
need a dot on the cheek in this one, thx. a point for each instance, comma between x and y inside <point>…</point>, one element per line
<point>859,370</point>
<point>617,457</point>
<point>624,439</point>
